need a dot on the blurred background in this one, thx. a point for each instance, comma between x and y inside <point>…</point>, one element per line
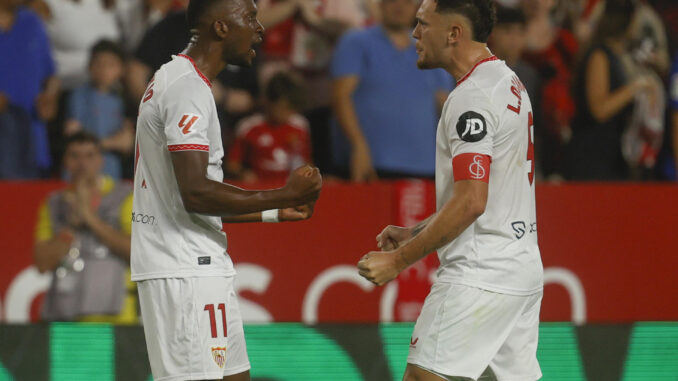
<point>335,84</point>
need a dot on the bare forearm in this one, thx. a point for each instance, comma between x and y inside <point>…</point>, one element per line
<point>441,228</point>
<point>243,218</point>
<point>219,199</point>
<point>116,241</point>
<point>48,254</point>
<point>613,103</point>
<point>277,13</point>
<point>416,229</point>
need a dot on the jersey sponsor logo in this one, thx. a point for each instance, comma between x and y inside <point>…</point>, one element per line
<point>471,127</point>
<point>187,121</point>
<point>520,228</point>
<point>219,356</point>
<point>144,219</point>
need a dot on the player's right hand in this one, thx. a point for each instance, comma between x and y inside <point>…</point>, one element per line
<point>304,185</point>
<point>392,237</point>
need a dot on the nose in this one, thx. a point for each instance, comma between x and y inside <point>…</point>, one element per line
<point>416,32</point>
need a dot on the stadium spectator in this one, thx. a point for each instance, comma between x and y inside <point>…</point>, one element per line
<point>97,107</point>
<point>137,16</point>
<point>383,104</point>
<point>552,51</point>
<point>672,171</point>
<point>269,146</point>
<point>67,21</point>
<point>28,92</point>
<point>302,36</point>
<point>604,96</point>
<point>83,238</point>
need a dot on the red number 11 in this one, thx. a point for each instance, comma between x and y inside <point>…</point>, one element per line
<point>213,321</point>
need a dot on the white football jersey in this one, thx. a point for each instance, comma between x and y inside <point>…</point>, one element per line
<point>489,114</point>
<point>177,113</point>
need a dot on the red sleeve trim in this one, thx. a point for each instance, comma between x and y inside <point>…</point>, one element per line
<point>471,166</point>
<point>188,147</point>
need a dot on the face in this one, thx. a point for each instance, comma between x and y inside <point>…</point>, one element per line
<point>244,32</point>
<point>398,14</point>
<point>431,33</point>
<point>508,41</point>
<point>83,161</point>
<point>106,69</point>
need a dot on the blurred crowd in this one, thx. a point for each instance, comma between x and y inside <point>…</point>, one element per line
<point>335,83</point>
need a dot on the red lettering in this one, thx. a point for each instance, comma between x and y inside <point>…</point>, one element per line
<point>516,90</point>
<point>149,92</point>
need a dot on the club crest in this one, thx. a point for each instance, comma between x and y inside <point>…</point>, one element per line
<point>219,356</point>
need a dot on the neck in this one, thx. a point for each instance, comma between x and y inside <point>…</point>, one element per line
<point>463,61</point>
<point>207,57</point>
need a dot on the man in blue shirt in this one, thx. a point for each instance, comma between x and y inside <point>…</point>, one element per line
<point>386,108</point>
<point>28,88</point>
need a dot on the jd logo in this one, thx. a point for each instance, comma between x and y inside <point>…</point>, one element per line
<point>471,127</point>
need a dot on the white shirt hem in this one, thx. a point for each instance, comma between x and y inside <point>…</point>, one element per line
<point>183,274</point>
<point>491,287</point>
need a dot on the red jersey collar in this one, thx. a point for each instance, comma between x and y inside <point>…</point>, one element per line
<point>207,81</point>
<point>488,59</point>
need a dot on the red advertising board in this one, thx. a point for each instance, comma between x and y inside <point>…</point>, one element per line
<point>609,253</point>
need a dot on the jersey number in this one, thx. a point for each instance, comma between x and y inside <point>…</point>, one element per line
<point>530,146</point>
<point>149,92</point>
<point>213,321</point>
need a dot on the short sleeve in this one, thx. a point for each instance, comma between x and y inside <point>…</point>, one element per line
<point>470,126</point>
<point>186,107</point>
<point>348,56</point>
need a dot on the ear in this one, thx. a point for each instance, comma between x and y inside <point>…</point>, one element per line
<point>220,29</point>
<point>454,33</point>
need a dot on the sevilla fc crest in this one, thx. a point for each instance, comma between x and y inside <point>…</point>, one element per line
<point>219,356</point>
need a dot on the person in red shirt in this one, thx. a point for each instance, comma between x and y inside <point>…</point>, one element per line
<point>269,145</point>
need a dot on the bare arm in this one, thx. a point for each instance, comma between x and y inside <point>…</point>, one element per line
<point>604,104</point>
<point>205,196</point>
<point>137,79</point>
<point>342,103</point>
<point>122,141</point>
<point>272,15</point>
<point>467,204</point>
<point>117,242</point>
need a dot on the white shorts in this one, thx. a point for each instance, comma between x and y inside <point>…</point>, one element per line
<point>186,336</point>
<point>463,330</point>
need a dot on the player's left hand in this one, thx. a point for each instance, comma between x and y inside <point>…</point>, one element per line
<point>298,213</point>
<point>381,267</point>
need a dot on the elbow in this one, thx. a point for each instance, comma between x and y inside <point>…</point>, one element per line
<point>476,207</point>
<point>40,264</point>
<point>599,116</point>
<point>194,199</point>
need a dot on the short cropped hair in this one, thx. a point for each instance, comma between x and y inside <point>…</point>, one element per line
<point>82,137</point>
<point>286,86</point>
<point>196,9</point>
<point>481,13</point>
<point>508,15</point>
<point>106,46</point>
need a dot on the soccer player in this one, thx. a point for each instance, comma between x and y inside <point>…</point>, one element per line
<point>480,320</point>
<point>185,277</point>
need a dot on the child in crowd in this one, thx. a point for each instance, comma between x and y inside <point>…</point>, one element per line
<point>98,107</point>
<point>269,145</point>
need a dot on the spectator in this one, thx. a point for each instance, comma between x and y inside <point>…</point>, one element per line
<point>552,51</point>
<point>672,170</point>
<point>66,20</point>
<point>302,36</point>
<point>604,97</point>
<point>83,238</point>
<point>28,92</point>
<point>385,106</point>
<point>97,107</point>
<point>268,146</point>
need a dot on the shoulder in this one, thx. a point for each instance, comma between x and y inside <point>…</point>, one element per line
<point>181,82</point>
<point>248,124</point>
<point>29,19</point>
<point>299,122</point>
<point>359,36</point>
